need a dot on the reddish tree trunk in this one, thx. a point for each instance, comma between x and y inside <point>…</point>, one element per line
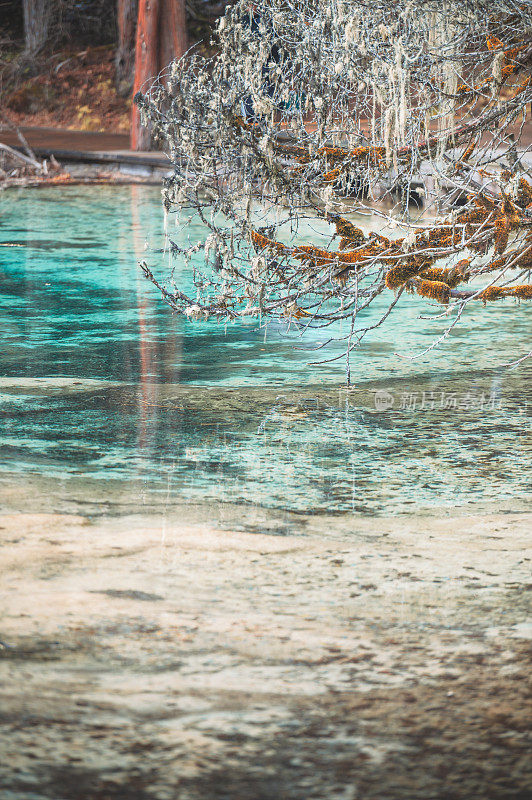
<point>172,31</point>
<point>146,63</point>
<point>126,15</point>
<point>161,36</point>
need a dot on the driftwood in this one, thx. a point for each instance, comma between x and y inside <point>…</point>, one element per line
<point>26,169</point>
<point>37,165</point>
<point>20,136</point>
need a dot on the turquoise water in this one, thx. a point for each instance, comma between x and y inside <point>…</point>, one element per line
<point>101,385</point>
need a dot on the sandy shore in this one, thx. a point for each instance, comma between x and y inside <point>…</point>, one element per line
<point>154,658</point>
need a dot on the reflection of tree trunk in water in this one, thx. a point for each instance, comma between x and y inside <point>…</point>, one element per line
<point>148,355</point>
<point>126,13</point>
<point>161,37</point>
<point>36,25</point>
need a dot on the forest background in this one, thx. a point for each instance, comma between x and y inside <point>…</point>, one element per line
<point>71,63</point>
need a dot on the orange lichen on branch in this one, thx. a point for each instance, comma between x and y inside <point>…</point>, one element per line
<point>293,311</point>
<point>452,276</point>
<point>507,221</point>
<point>263,243</point>
<point>332,176</point>
<point>494,43</point>
<point>502,232</point>
<point>437,290</point>
<point>375,156</point>
<point>240,122</point>
<point>400,274</point>
<point>316,256</point>
<point>523,292</point>
<point>492,293</point>
<point>497,218</point>
<point>334,153</point>
<point>522,86</point>
<point>351,235</point>
<point>320,257</point>
<point>355,256</point>
<point>313,255</point>
<point>473,219</point>
<point>509,210</point>
<point>497,263</point>
<point>434,290</point>
<point>443,237</point>
<point>467,153</point>
<point>507,68</point>
<point>301,154</point>
<point>499,292</point>
<point>524,193</point>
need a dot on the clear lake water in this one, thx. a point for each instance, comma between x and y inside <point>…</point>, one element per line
<point>105,393</point>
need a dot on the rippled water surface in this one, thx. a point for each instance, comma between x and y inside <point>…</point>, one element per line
<point>102,388</point>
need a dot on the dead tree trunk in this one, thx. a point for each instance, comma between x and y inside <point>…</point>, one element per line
<point>37,15</point>
<point>161,36</point>
<point>126,14</point>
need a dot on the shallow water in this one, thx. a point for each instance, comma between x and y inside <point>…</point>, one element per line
<point>105,394</point>
<point>225,575</point>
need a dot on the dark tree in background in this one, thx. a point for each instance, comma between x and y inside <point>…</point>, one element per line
<point>47,24</point>
<point>37,17</point>
<point>126,16</point>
